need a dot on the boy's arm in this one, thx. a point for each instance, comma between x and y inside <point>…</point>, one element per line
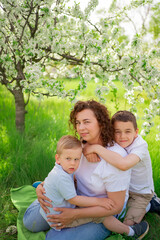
<point>68,215</point>
<point>83,201</point>
<point>115,159</point>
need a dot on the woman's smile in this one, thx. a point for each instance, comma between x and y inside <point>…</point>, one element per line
<point>83,134</point>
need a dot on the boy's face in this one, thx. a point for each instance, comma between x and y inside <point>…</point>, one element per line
<point>124,133</point>
<point>69,159</point>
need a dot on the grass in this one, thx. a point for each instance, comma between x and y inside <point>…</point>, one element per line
<point>22,157</point>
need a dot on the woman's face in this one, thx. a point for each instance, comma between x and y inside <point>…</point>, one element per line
<point>87,127</point>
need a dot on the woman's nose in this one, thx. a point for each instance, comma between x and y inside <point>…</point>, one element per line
<point>81,126</point>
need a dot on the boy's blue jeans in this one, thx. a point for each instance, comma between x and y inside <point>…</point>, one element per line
<point>34,222</point>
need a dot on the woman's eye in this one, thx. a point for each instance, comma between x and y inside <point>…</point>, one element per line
<point>87,122</point>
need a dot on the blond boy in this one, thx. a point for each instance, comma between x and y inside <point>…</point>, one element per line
<point>59,184</point>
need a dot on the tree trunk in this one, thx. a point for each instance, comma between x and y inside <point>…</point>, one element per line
<point>20,110</point>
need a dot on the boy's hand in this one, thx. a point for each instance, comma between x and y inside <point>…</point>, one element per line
<point>89,153</point>
<point>106,203</point>
<point>92,157</point>
<point>88,148</point>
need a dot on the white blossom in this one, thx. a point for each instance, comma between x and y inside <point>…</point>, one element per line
<point>66,43</point>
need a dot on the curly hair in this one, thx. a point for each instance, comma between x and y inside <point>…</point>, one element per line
<point>102,115</point>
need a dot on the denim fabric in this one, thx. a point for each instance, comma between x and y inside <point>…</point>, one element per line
<point>33,220</point>
<point>89,231</point>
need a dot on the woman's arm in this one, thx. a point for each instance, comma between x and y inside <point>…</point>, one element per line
<point>117,197</point>
<point>68,215</point>
<point>43,200</point>
<point>115,159</point>
<point>83,201</point>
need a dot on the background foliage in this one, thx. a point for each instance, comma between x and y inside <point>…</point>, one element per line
<point>23,156</point>
<point>40,35</point>
<point>53,48</point>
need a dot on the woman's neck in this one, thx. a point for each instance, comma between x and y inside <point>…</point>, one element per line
<point>99,142</point>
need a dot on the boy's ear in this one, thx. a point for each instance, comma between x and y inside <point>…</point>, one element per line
<point>137,130</point>
<point>57,158</point>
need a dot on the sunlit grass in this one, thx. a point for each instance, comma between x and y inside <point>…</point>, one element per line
<point>29,157</point>
<point>46,122</point>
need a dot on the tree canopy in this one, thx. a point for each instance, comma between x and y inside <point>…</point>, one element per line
<point>35,34</point>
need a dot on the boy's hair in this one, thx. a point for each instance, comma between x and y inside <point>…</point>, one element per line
<point>67,142</point>
<point>124,116</point>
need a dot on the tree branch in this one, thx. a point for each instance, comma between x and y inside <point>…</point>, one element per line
<point>135,79</point>
<point>27,100</point>
<point>132,23</point>
<point>50,95</point>
<point>145,17</point>
<point>94,26</point>
<point>4,80</point>
<point>36,22</point>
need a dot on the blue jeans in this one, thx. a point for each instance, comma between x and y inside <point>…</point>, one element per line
<point>87,231</point>
<point>34,222</point>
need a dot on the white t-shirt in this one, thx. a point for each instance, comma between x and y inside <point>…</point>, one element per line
<point>141,173</point>
<point>95,179</point>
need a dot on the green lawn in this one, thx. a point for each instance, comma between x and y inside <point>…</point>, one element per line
<point>24,156</point>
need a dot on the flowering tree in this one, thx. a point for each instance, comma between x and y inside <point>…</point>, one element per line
<point>34,33</point>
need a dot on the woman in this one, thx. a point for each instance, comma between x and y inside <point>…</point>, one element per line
<point>91,121</point>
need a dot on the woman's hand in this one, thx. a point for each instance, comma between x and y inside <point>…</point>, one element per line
<point>61,220</point>
<point>40,191</point>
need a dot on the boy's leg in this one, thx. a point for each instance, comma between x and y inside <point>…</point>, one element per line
<point>35,184</point>
<point>138,230</point>
<point>33,220</point>
<point>155,204</point>
<point>114,225</point>
<point>79,222</point>
<point>137,204</point>
<point>110,222</point>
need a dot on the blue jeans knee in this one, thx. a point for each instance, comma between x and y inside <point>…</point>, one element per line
<point>33,220</point>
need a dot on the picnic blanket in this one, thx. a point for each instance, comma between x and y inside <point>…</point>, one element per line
<point>22,197</point>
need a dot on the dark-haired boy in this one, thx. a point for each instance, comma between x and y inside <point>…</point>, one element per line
<point>138,160</point>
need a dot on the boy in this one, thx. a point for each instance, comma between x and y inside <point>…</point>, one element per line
<point>59,184</point>
<point>60,189</point>
<point>141,185</point>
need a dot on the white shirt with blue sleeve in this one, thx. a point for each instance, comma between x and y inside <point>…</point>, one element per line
<point>59,187</point>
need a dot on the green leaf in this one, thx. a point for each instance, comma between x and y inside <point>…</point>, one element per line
<point>116,237</point>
